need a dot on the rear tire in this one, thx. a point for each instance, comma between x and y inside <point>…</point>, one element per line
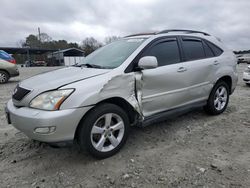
<point>218,99</point>
<point>4,77</point>
<point>104,130</point>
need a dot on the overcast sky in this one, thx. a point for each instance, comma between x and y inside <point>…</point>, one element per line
<point>73,20</point>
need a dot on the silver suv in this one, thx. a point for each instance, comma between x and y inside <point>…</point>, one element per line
<point>136,80</point>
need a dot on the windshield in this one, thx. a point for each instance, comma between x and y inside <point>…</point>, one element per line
<point>112,55</point>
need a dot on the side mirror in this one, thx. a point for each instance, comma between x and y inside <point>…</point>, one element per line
<point>148,62</point>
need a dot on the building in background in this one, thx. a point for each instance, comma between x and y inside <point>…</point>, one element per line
<point>26,56</point>
<point>65,57</point>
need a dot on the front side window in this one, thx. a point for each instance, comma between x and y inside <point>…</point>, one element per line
<point>114,54</point>
<point>166,52</point>
<point>193,49</point>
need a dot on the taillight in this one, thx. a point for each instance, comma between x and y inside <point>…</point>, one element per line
<point>12,61</point>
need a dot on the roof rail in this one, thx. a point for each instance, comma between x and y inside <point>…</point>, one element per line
<point>182,30</point>
<point>138,34</point>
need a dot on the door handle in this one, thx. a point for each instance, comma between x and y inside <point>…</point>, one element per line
<point>182,69</point>
<point>216,62</point>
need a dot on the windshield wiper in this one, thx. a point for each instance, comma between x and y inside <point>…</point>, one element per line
<point>90,66</point>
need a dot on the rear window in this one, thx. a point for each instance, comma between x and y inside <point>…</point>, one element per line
<point>4,55</point>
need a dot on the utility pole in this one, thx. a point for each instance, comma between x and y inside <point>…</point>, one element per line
<point>39,37</point>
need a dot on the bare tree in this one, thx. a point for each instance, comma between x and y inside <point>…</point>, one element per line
<point>89,45</point>
<point>20,43</point>
<point>44,37</point>
<point>110,39</point>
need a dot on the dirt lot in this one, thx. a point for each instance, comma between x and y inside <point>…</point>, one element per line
<point>193,150</point>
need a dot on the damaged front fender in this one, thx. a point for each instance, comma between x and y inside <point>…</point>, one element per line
<point>126,86</point>
<point>103,87</point>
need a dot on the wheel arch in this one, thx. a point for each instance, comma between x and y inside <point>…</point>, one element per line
<point>122,103</point>
<point>228,80</point>
<point>5,71</point>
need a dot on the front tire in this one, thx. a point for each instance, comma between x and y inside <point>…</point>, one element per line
<point>4,77</point>
<point>104,130</point>
<point>218,99</point>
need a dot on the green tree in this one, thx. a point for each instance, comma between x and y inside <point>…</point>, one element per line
<point>32,41</point>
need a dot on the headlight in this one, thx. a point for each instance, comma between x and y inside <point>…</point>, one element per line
<point>50,100</point>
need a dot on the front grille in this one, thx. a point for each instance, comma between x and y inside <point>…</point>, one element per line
<point>20,93</point>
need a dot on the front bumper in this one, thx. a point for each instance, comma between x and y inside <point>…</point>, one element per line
<point>246,77</point>
<point>27,120</point>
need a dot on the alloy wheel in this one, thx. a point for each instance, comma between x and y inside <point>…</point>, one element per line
<point>107,132</point>
<point>220,98</point>
<point>3,77</point>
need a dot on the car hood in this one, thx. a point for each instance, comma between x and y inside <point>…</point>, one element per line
<point>61,77</point>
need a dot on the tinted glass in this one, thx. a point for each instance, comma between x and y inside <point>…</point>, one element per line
<point>217,51</point>
<point>113,54</point>
<point>166,53</point>
<point>208,51</point>
<point>193,49</point>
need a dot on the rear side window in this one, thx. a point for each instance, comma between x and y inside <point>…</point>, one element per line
<point>5,56</point>
<point>193,49</point>
<point>208,50</point>
<point>166,52</point>
<point>217,51</point>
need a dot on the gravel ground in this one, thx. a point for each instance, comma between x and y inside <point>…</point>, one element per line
<point>193,150</point>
